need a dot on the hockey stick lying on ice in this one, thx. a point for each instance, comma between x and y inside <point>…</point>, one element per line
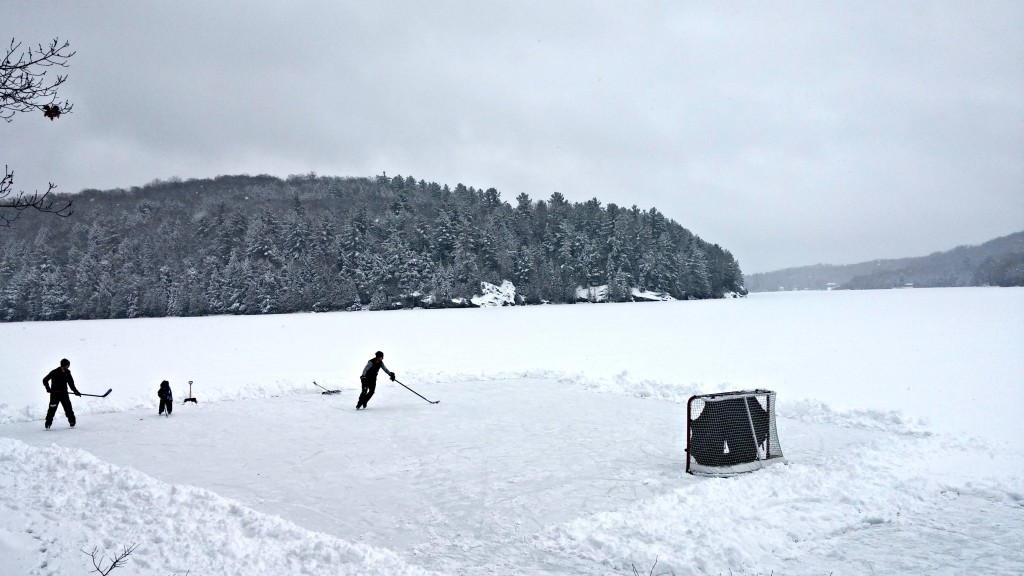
<point>325,390</point>
<point>417,393</point>
<point>104,395</point>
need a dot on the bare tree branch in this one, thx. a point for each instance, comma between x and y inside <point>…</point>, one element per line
<point>115,561</point>
<point>24,85</point>
<point>651,573</point>
<point>11,207</point>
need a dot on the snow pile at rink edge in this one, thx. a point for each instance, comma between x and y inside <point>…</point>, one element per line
<point>755,523</point>
<point>178,529</point>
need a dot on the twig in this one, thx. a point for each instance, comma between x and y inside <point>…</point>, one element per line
<point>651,573</point>
<point>115,561</point>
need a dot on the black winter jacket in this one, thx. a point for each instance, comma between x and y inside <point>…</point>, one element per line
<point>57,381</point>
<point>372,368</point>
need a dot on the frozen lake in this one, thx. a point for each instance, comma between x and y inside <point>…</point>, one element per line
<point>557,447</point>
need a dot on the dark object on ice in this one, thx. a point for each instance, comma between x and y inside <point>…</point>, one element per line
<point>368,378</point>
<point>190,397</point>
<point>166,398</point>
<point>731,432</point>
<point>57,382</point>
<point>325,390</point>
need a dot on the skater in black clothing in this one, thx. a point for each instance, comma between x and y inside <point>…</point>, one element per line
<point>57,383</point>
<point>369,378</point>
<point>166,397</point>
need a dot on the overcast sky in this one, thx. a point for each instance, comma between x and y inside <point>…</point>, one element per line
<point>789,133</point>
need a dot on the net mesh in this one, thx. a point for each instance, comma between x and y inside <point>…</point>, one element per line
<point>731,433</point>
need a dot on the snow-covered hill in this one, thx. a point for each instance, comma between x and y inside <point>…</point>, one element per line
<point>557,447</point>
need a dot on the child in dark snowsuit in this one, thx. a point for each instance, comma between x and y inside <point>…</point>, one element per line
<point>166,397</point>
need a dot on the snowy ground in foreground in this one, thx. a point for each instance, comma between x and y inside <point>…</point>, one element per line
<point>557,447</point>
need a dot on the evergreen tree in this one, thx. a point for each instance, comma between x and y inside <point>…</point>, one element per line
<point>697,280</point>
<point>54,303</point>
<point>380,300</point>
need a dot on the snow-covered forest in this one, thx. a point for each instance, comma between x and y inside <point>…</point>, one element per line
<point>261,244</point>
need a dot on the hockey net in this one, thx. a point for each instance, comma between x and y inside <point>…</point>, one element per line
<point>731,433</point>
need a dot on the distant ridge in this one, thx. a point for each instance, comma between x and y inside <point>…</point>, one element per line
<point>998,262</point>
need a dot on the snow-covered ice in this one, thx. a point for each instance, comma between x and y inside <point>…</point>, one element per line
<point>557,447</point>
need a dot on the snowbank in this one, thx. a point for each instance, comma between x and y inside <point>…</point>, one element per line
<point>600,294</point>
<point>504,295</point>
<point>780,513</point>
<point>61,501</point>
<point>592,293</point>
<point>639,294</point>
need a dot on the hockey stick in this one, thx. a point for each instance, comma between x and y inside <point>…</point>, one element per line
<point>325,390</point>
<point>104,395</point>
<point>417,393</point>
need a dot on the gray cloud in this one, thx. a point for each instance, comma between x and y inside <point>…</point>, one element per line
<point>791,134</point>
